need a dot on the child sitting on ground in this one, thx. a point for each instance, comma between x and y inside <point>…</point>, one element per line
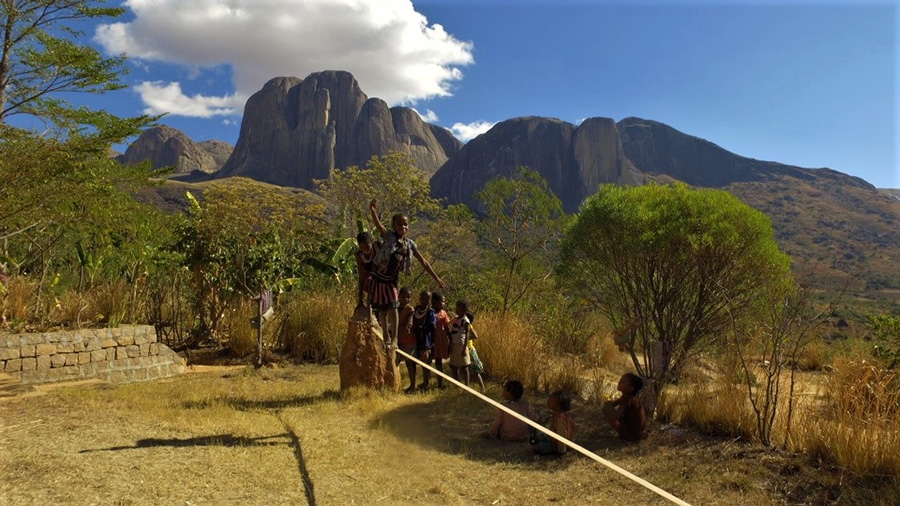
<point>505,426</point>
<point>561,423</point>
<point>626,414</point>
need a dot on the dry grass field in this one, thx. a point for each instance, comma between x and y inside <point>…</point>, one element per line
<point>235,435</point>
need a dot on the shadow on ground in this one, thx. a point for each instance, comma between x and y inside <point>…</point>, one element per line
<point>452,422</point>
<point>216,440</point>
<point>244,404</point>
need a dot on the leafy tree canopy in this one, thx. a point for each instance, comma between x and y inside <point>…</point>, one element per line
<point>671,266</point>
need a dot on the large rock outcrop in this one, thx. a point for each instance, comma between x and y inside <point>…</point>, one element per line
<point>295,131</point>
<point>573,160</point>
<point>165,146</point>
<point>658,149</point>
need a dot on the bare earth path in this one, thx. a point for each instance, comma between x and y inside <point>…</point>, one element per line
<point>287,436</point>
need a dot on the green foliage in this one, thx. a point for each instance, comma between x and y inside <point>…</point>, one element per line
<point>886,330</point>
<point>244,238</point>
<point>42,58</point>
<point>393,179</point>
<point>523,217</point>
<point>671,264</point>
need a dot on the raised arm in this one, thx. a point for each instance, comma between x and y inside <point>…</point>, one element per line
<point>427,267</point>
<point>373,208</point>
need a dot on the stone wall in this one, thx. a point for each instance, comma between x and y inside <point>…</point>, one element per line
<point>118,355</point>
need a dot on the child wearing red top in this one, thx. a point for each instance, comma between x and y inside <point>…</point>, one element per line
<point>441,349</point>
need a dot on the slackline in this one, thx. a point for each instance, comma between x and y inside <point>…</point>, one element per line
<point>587,453</point>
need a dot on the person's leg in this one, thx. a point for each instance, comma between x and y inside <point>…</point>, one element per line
<point>426,374</point>
<point>439,365</point>
<point>411,370</point>
<point>393,317</point>
<point>465,375</point>
<point>480,381</point>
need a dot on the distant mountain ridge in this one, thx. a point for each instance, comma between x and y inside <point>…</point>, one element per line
<point>296,130</point>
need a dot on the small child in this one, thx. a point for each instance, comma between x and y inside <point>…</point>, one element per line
<point>561,423</point>
<point>365,256</point>
<point>626,414</point>
<point>505,426</point>
<point>441,350</point>
<point>423,323</point>
<point>476,366</point>
<point>406,340</point>
<point>459,336</point>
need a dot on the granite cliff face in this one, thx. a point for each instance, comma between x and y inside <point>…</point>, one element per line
<point>573,160</point>
<point>295,131</point>
<point>658,149</point>
<point>166,146</point>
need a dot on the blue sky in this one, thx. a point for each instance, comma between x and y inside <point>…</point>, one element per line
<point>808,83</point>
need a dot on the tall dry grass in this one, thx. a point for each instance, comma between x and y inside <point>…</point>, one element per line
<point>718,407</point>
<point>511,349</point>
<point>858,427</point>
<point>311,326</point>
<point>20,299</point>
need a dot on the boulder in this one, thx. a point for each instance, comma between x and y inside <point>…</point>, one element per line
<point>364,359</point>
<point>165,146</point>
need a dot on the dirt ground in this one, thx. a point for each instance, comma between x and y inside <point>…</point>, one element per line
<point>235,435</point>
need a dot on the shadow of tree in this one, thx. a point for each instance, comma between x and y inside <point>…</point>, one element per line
<point>215,440</point>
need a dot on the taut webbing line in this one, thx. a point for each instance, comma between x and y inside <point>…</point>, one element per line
<point>548,432</point>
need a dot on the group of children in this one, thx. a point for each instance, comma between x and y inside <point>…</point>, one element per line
<point>427,332</point>
<point>625,415</point>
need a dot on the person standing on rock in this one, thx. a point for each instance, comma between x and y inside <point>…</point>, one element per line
<point>393,256</point>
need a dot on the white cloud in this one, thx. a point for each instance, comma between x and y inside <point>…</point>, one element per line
<point>466,132</point>
<point>429,116</point>
<point>162,98</point>
<point>389,47</point>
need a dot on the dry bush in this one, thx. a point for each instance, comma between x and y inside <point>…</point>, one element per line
<point>566,373</point>
<point>813,356</point>
<point>70,308</point>
<point>601,350</point>
<point>20,298</point>
<point>719,407</point>
<point>859,427</point>
<point>312,326</point>
<point>110,302</point>
<point>511,349</point>
<point>241,337</point>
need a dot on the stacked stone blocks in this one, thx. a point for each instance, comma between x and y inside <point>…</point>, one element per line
<point>118,355</point>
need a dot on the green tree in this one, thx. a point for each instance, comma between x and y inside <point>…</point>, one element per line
<point>393,179</point>
<point>672,264</point>
<point>523,217</point>
<point>242,239</point>
<point>40,59</point>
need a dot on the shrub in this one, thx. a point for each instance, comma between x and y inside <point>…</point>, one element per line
<point>511,349</point>
<point>312,326</point>
<point>859,427</point>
